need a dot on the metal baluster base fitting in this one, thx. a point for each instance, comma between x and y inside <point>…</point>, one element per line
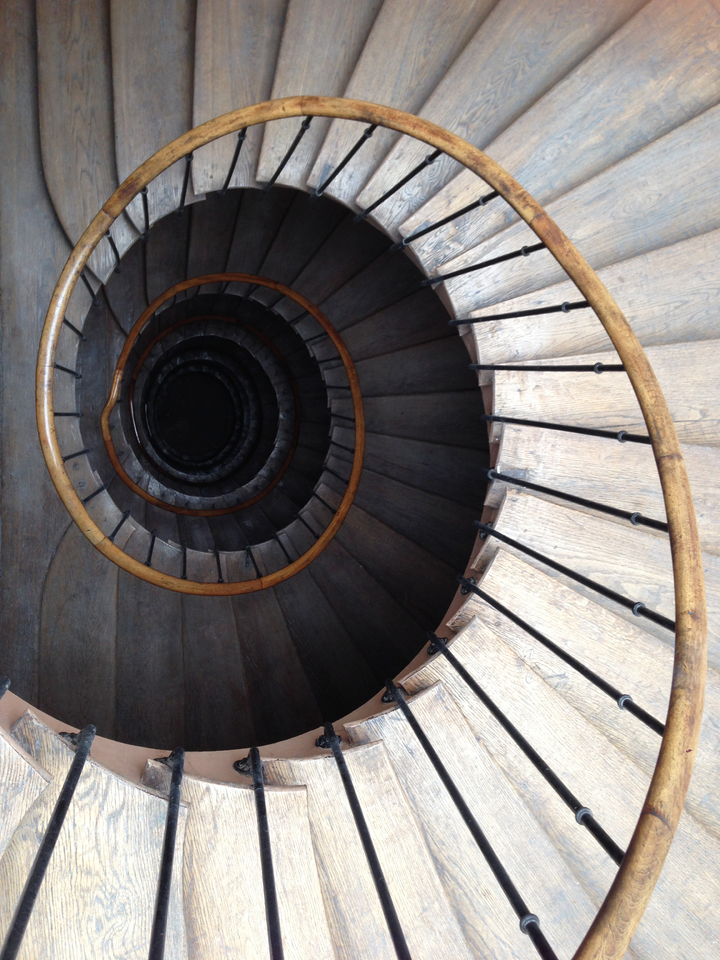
<point>243,766</point>
<point>464,587</point>
<point>325,741</point>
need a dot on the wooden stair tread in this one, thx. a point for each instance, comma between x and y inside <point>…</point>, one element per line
<point>621,653</point>
<point>660,195</point>
<point>319,48</point>
<point>236,48</point>
<point>598,774</point>
<point>410,47</point>
<point>617,475</point>
<point>628,561</point>
<point>108,852</point>
<point>22,781</point>
<point>424,913</point>
<point>685,371</point>
<point>485,916</point>
<point>675,72</point>
<point>503,69</point>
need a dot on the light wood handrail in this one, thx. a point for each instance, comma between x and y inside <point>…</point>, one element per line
<point>612,929</point>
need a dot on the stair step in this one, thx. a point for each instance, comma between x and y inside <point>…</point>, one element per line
<point>22,782</point>
<point>152,75</point>
<point>626,560</point>
<point>674,77</point>
<point>685,371</point>
<point>621,653</point>
<point>399,66</point>
<point>166,250</point>
<point>320,46</point>
<point>108,852</point>
<point>679,917</point>
<point>259,220</point>
<point>357,923</point>
<point>616,475</point>
<point>668,294</point>
<point>212,226</point>
<point>485,916</point>
<point>224,901</point>
<point>660,195</point>
<point>236,49</point>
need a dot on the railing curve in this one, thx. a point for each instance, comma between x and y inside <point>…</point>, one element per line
<point>612,929</point>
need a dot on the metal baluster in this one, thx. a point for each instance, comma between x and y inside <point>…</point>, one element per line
<point>318,191</point>
<point>637,607</point>
<point>98,490</point>
<point>78,453</point>
<point>74,373</point>
<point>555,368</point>
<point>323,502</point>
<point>116,531</point>
<point>331,741</point>
<point>306,524</point>
<point>429,159</point>
<point>176,761</point>
<point>71,413</point>
<point>183,575</point>
<point>93,295</point>
<point>623,436</point>
<point>623,700</point>
<point>633,516</point>
<point>219,568</point>
<point>329,470</point>
<point>186,180</point>
<point>583,814</point>
<point>522,252</point>
<point>441,223</point>
<point>564,307</point>
<point>272,912</point>
<point>529,922</point>
<point>334,443</point>
<point>249,553</point>
<point>21,917</point>
<point>300,134</point>
<point>116,253</point>
<point>153,538</point>
<point>238,147</point>
<point>74,329</point>
<point>282,547</point>
<point>146,214</point>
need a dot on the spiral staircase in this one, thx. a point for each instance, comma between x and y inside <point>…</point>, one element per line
<point>283,485</point>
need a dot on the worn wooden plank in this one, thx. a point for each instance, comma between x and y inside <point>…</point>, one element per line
<point>486,918</point>
<point>108,853</point>
<point>660,195</point>
<point>608,473</point>
<point>259,219</point>
<point>22,781</point>
<point>626,559</point>
<point>655,73</point>
<point>152,70</point>
<point>668,295</point>
<point>431,367</point>
<point>33,517</point>
<point>320,46</point>
<point>76,120</point>
<point>410,47</point>
<point>686,373</point>
<point>212,225</point>
<point>236,49</point>
<point>620,652</point>
<point>166,254</point>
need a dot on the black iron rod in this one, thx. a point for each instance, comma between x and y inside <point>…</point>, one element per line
<point>272,912</point>
<point>430,158</point>
<point>116,531</point>
<point>535,312</point>
<point>623,436</point>
<point>583,814</point>
<point>304,522</point>
<point>153,538</point>
<point>74,329</point>
<point>146,214</point>
<point>248,551</point>
<point>323,502</point>
<point>78,453</point>
<point>74,373</point>
<point>219,568</point>
<point>441,223</point>
<point>238,147</point>
<point>70,413</point>
<point>186,181</point>
<point>623,700</point>
<point>529,922</point>
<point>637,607</point>
<point>341,416</point>
<point>158,936</point>
<point>99,490</point>
<point>4,686</point>
<point>291,149</point>
<point>331,741</point>
<point>282,547</point>
<point>93,295</point>
<point>318,191</point>
<point>334,443</point>
<point>116,252</point>
<point>183,575</point>
<point>633,516</point>
<point>334,474</point>
<point>522,252</point>
<point>555,368</point>
<point>21,917</point>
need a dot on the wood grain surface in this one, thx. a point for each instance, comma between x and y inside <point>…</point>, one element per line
<point>22,781</point>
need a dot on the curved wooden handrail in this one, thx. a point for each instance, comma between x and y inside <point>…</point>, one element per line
<point>612,929</point>
<point>136,331</point>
